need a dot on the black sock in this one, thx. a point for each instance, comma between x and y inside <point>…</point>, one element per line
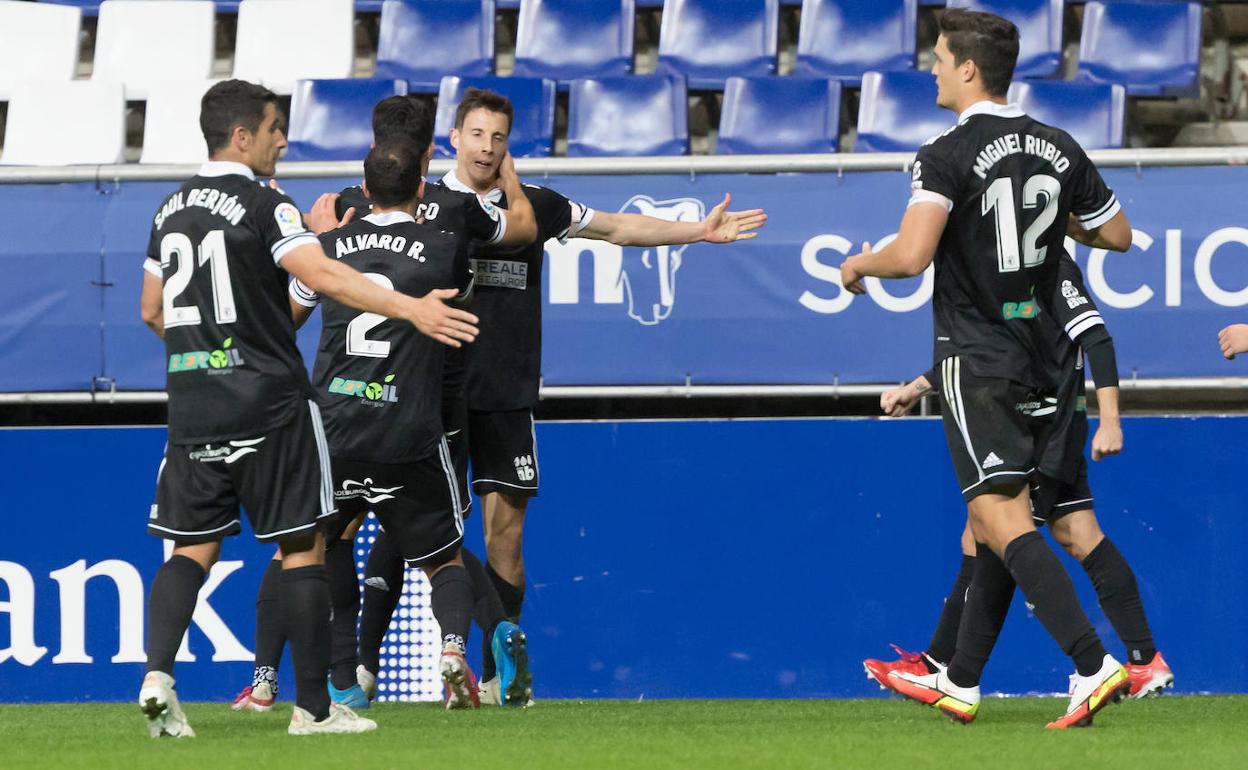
<point>305,612</point>
<point>383,585</point>
<point>169,608</point>
<point>488,611</point>
<point>451,598</point>
<point>511,596</point>
<point>987,604</point>
<point>344,594</point>
<point>1047,587</point>
<point>270,634</point>
<point>1119,597</point>
<point>945,637</point>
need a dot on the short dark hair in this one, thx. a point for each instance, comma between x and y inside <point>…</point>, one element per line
<point>230,104</point>
<point>986,39</point>
<point>403,118</point>
<point>481,99</point>
<point>392,172</point>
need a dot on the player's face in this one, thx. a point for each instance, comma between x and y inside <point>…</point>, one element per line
<point>947,75</point>
<point>268,142</point>
<point>480,146</point>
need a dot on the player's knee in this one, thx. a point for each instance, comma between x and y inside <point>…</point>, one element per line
<point>1078,533</point>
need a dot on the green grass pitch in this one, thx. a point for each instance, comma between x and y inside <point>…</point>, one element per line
<point>1171,732</point>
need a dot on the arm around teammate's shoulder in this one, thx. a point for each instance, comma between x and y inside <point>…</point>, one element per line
<point>429,314</point>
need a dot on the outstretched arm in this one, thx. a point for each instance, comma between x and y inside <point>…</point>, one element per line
<point>720,226</point>
<point>908,255</point>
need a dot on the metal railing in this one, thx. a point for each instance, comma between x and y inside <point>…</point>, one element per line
<point>688,390</point>
<point>686,164</point>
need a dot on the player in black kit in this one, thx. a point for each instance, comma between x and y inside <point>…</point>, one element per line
<point>991,200</point>
<point>504,370</point>
<point>380,384</point>
<point>408,122</point>
<point>1065,503</point>
<point>243,428</point>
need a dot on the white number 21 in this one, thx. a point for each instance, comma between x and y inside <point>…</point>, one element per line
<point>211,252</point>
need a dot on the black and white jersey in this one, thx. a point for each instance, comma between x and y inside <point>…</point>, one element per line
<point>1073,315</point>
<point>1009,184</point>
<point>454,211</point>
<point>379,381</point>
<point>505,362</point>
<point>217,245</point>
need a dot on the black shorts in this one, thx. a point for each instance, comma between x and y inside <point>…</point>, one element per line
<point>995,429</point>
<point>1051,499</point>
<point>416,503</point>
<point>504,452</point>
<point>281,479</point>
<point>455,427</point>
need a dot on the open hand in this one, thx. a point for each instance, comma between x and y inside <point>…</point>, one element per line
<point>323,216</point>
<point>448,325</point>
<point>724,226</point>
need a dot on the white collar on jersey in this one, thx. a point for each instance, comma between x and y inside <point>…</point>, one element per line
<point>991,108</point>
<point>450,180</point>
<point>225,168</point>
<point>386,218</point>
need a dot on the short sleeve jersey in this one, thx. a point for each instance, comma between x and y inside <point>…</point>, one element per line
<point>1009,184</point>
<point>373,373</point>
<point>505,362</point>
<point>217,243</point>
<point>457,212</point>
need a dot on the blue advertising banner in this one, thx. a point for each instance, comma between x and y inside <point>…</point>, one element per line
<point>664,559</point>
<point>769,310</point>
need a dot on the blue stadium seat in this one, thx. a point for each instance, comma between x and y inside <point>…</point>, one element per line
<point>1151,48</point>
<point>708,41</point>
<point>844,38</point>
<point>568,39</point>
<point>1092,113</point>
<point>422,40</point>
<point>532,128</point>
<point>898,112</point>
<point>779,115</point>
<point>1039,25</point>
<point>332,119</point>
<point>368,6</point>
<point>638,115</point>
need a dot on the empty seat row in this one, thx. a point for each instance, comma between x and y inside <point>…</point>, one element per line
<point>620,116</point>
<point>1151,47</point>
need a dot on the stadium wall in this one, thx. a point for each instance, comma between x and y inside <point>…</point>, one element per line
<point>701,315</point>
<point>666,560</point>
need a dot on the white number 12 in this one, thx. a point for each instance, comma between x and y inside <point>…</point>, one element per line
<point>999,199</point>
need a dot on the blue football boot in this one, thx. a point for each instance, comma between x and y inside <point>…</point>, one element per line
<point>515,682</point>
<point>353,697</point>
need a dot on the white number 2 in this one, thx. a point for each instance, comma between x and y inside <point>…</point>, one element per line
<point>211,252</point>
<point>999,199</point>
<point>358,343</point>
